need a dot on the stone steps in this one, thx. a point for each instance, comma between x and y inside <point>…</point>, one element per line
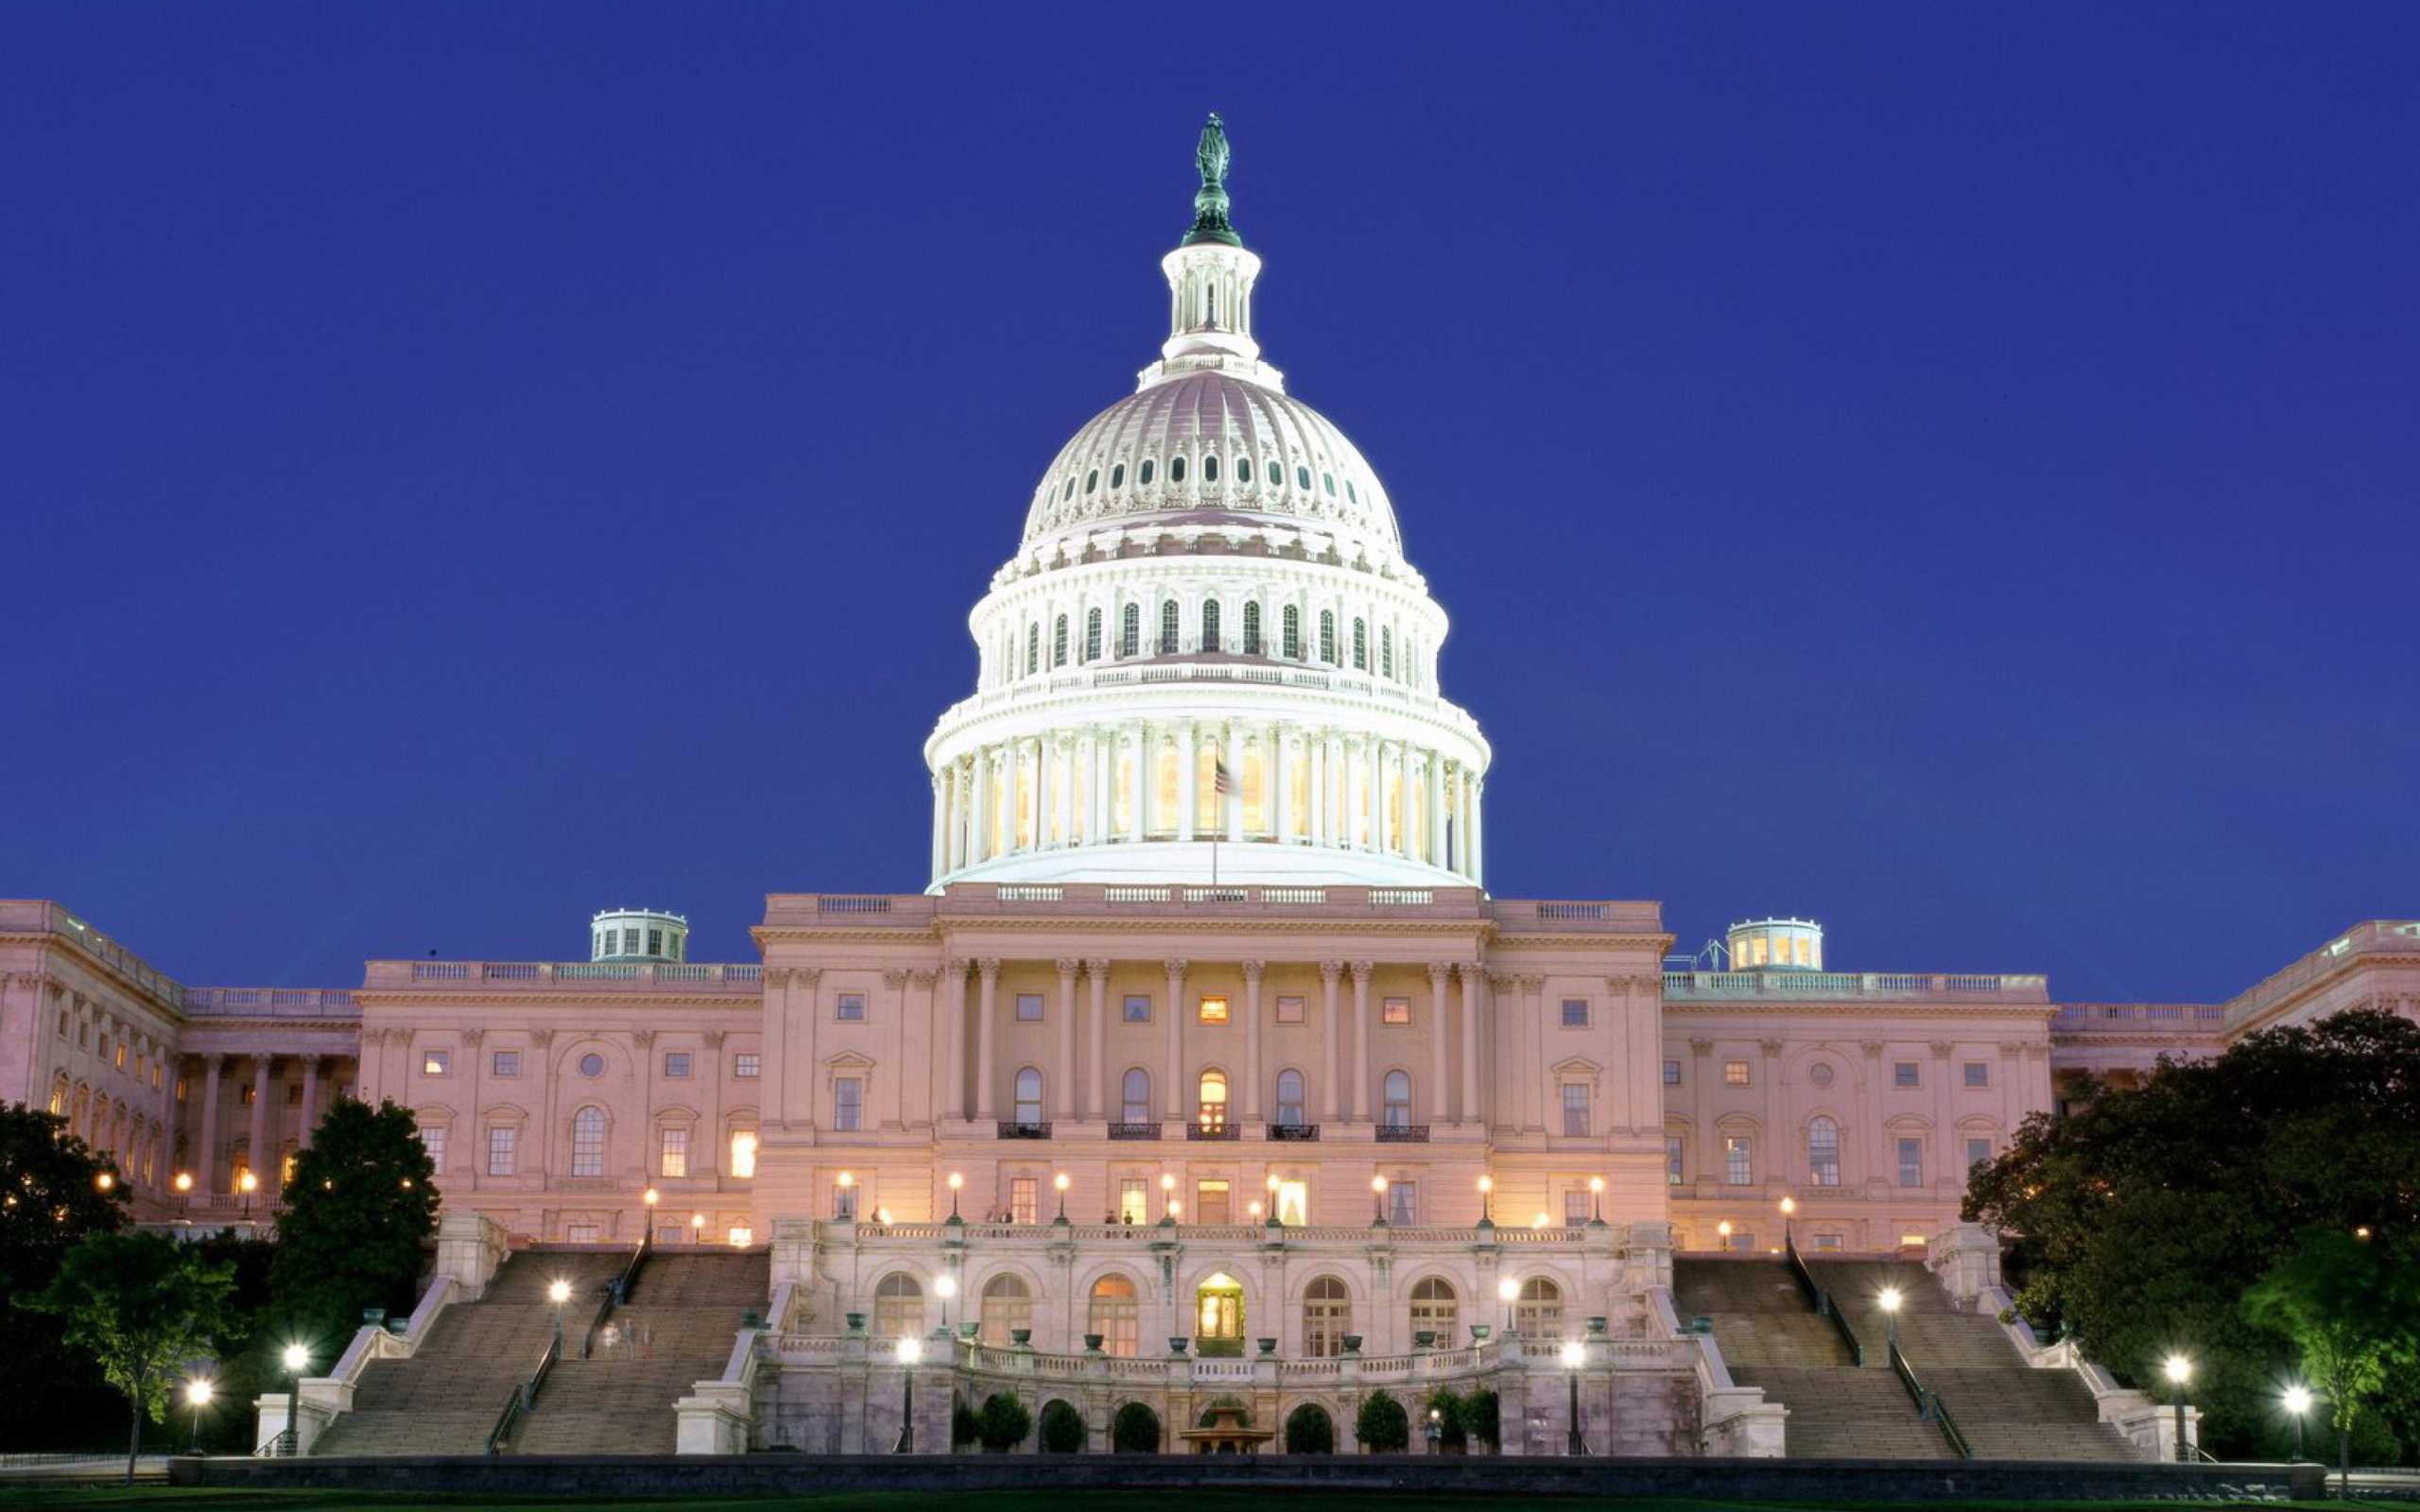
<point>1760,1316</point>
<point>1845,1413</point>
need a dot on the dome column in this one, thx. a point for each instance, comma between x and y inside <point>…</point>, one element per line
<point>1436,815</point>
<point>1189,772</point>
<point>1278,772</point>
<point>1046,773</point>
<point>1132,739</point>
<point>976,839</point>
<point>1230,810</point>
<point>941,823</point>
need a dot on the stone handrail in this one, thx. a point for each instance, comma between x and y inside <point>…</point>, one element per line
<point>35,916</point>
<point>1792,985</point>
<point>1052,1232</point>
<point>1541,1355</point>
<point>2376,937</point>
<point>489,976</point>
<point>268,1002</point>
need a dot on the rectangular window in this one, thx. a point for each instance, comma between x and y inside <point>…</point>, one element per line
<point>1029,1007</point>
<point>1672,1073</point>
<point>1214,1010</point>
<point>1978,1152</point>
<point>675,1152</point>
<point>117,1061</point>
<point>1979,1073</point>
<point>1212,1203</point>
<point>1020,1195</point>
<point>1575,1108</point>
<point>1293,1203</point>
<point>1290,1010</point>
<point>848,1102</point>
<point>743,1153</point>
<point>506,1063</point>
<point>850,1007</point>
<point>1735,1074</point>
<point>1134,1200</point>
<point>1902,1074</point>
<point>294,1094</point>
<point>251,1090</point>
<point>500,1150</point>
<point>1738,1159</point>
<point>1911,1162</point>
<point>675,1064</point>
<point>1827,1241</point>
<point>1574,1208</point>
<point>1402,1202</point>
<point>1575,1013</point>
<point>583,1233</point>
<point>1672,1160</point>
<point>745,1065</point>
<point>1744,1243</point>
<point>844,1204</point>
<point>432,1063</point>
<point>1138,1009</point>
<point>433,1141</point>
<point>741,1236</point>
<point>1395,1010</point>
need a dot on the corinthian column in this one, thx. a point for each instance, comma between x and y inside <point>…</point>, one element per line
<point>987,1011</point>
<point>1098,1104</point>
<point>1064,1093</point>
<point>1329,972</point>
<point>1252,1033</point>
<point>1173,1099</point>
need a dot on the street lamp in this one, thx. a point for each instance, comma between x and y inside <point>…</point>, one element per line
<point>296,1358</point>
<point>1487,1202</point>
<point>1060,1181</point>
<point>2179,1370</point>
<point>559,1292</point>
<point>247,1184</point>
<point>1167,1199</point>
<point>1575,1354</point>
<point>197,1394</point>
<point>2298,1404</point>
<point>1597,1194</point>
<point>911,1350</point>
<point>1889,1300</point>
<point>1379,1201</point>
<point>105,1180</point>
<point>1789,1206</point>
<point>184,1190</point>
<point>956,1181</point>
<point>696,1227</point>
<point>1436,1429</point>
<point>946,1287</point>
<point>1509,1290</point>
<point>1275,1221</point>
<point>846,1205</point>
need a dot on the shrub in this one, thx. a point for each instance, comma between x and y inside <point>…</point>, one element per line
<point>1062,1429</point>
<point>962,1426</point>
<point>1482,1419</point>
<point>1309,1431</point>
<point>1382,1425</point>
<point>1448,1405</point>
<point>1003,1423</point>
<point>1135,1430</point>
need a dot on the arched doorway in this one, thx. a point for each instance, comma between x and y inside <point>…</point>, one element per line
<point>1219,1316</point>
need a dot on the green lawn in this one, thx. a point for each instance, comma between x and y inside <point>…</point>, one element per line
<point>161,1499</point>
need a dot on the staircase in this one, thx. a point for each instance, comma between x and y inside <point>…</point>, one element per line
<point>444,1400</point>
<point>676,1327</point>
<point>2007,1409</point>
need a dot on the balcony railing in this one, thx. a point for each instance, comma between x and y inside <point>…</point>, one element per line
<point>1134,1131</point>
<point>1211,1131</point>
<point>1013,1129</point>
<point>1402,1133</point>
<point>1301,1133</point>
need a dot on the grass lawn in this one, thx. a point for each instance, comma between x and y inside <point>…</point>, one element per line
<point>164,1499</point>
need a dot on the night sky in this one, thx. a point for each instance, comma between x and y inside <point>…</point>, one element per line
<point>1947,470</point>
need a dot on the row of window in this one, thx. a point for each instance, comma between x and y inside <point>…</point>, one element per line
<point>1212,1008</point>
<point>116,1052</point>
<point>745,1064</point>
<point>1823,1167</point>
<point>1269,474</point>
<point>625,941</point>
<point>1169,639</point>
<point>1903,1072</point>
<point>588,1148</point>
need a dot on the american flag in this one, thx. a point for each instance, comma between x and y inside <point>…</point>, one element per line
<point>1220,782</point>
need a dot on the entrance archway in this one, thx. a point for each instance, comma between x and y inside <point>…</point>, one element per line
<point>1219,1316</point>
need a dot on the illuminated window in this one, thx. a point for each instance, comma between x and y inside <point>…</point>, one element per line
<point>1029,1007</point>
<point>850,1007</point>
<point>1214,1101</point>
<point>1735,1074</point>
<point>898,1307</point>
<point>1021,1196</point>
<point>674,1156</point>
<point>1008,1305</point>
<point>1979,1073</point>
<point>1823,1151</point>
<point>1436,1309</point>
<point>1116,1315</point>
<point>1395,1010</point>
<point>434,1063</point>
<point>1327,1318</point>
<point>746,1065</point>
<point>743,1153</point>
<point>1134,1200</point>
<point>1538,1312</point>
<point>588,1142</point>
<point>1214,1010</point>
<point>1402,1202</point>
<point>741,1236</point>
<point>1738,1159</point>
<point>1290,1010</point>
<point>1293,1202</point>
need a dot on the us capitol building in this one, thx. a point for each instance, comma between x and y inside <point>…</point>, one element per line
<point>1206,1063</point>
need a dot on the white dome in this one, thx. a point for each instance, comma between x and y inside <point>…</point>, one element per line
<point>1212,446</point>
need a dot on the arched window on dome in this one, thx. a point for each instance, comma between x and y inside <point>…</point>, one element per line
<point>1210,468</point>
<point>1092,635</point>
<point>1144,477</point>
<point>1092,480</point>
<point>1167,627</point>
<point>1327,636</point>
<point>1351,497</point>
<point>1290,628</point>
<point>1327,480</point>
<point>1130,631</point>
<point>1243,470</point>
<point>1117,476</point>
<point>1302,478</point>
<point>1361,644</point>
<point>1386,651</point>
<point>1210,628</point>
<point>1069,491</point>
<point>1059,642</point>
<point>1252,629</point>
<point>1176,468</point>
<point>1032,648</point>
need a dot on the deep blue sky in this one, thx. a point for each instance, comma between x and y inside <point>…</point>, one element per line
<point>1947,471</point>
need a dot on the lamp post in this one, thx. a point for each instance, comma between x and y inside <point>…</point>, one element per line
<point>197,1395</point>
<point>911,1350</point>
<point>2179,1370</point>
<point>1487,1202</point>
<point>1167,1199</point>
<point>1722,1232</point>
<point>956,1181</point>
<point>247,1184</point>
<point>296,1358</point>
<point>1889,1300</point>
<point>696,1227</point>
<point>1575,1354</point>
<point>1596,1197</point>
<point>1379,1201</point>
<point>845,1205</point>
<point>184,1190</point>
<point>2298,1404</point>
<point>946,1287</point>
<point>1275,1221</point>
<point>650,1198</point>
<point>1789,1206</point>
<point>1508,1291</point>
<point>559,1292</point>
<point>1436,1429</point>
<point>1060,1181</point>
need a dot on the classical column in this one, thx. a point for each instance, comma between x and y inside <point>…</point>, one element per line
<point>1329,972</point>
<point>264,1160</point>
<point>1374,766</point>
<point>1479,831</point>
<point>1088,761</point>
<point>1063,1094</point>
<point>1097,1106</point>
<point>205,1174</point>
<point>987,1018</point>
<point>1278,773</point>
<point>979,828</point>
<point>1231,811</point>
<point>1434,772</point>
<point>1470,971</point>
<point>1138,774</point>
<point>1315,756</point>
<point>1173,1099</point>
<point>1357,1090</point>
<point>1436,1083</point>
<point>717,1139</point>
<point>940,820</point>
<point>310,1097</point>
<point>1046,780</point>
<point>1188,769</point>
<point>1252,1033</point>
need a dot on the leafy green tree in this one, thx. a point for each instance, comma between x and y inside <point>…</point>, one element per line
<point>2142,1217</point>
<point>144,1307</point>
<point>2348,1307</point>
<point>1002,1423</point>
<point>964,1427</point>
<point>1482,1418</point>
<point>1311,1431</point>
<point>1062,1428</point>
<point>52,1197</point>
<point>1452,1433</point>
<point>1134,1430</point>
<point>1382,1425</point>
<point>359,1208</point>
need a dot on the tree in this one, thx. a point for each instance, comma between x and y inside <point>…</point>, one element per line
<point>1134,1430</point>
<point>1002,1423</point>
<point>1482,1418</point>
<point>1062,1428</point>
<point>1311,1431</point>
<point>1382,1425</point>
<point>357,1211</point>
<point>2347,1306</point>
<point>2141,1219</point>
<point>143,1306</point>
<point>52,1197</point>
<point>1449,1406</point>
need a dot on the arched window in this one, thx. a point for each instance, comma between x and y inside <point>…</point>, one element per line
<point>898,1307</point>
<point>1327,1318</point>
<point>1145,477</point>
<point>1243,470</point>
<point>1538,1312</point>
<point>1176,468</point>
<point>1029,1109</point>
<point>1059,642</point>
<point>1114,1315</point>
<point>1210,625</point>
<point>1032,649</point>
<point>1130,631</point>
<point>1007,1304</point>
<point>1290,622</point>
<point>1361,645</point>
<point>1167,627</point>
<point>1092,635</point>
<point>1327,636</point>
<point>1210,468</point>
<point>1327,480</point>
<point>1092,480</point>
<point>1252,629</point>
<point>1134,1095</point>
<point>588,1142</point>
<point>1117,475</point>
<point>1214,1101</point>
<point>1289,1099</point>
<point>1436,1309</point>
<point>1302,477</point>
<point>1386,651</point>
<point>1397,1111</point>
<point>1823,1151</point>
